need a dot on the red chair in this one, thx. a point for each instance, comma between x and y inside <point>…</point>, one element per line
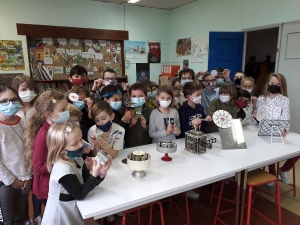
<point>255,178</point>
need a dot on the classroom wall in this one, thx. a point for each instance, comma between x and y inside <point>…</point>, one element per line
<point>200,17</point>
<point>142,23</point>
<point>260,43</point>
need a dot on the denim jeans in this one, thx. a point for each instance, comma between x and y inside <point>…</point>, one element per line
<point>14,205</point>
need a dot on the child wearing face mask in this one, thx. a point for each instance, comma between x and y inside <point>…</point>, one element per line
<point>276,106</point>
<point>150,95</point>
<point>238,77</point>
<point>164,120</point>
<point>24,85</point>
<point>247,84</point>
<point>70,178</point>
<point>176,83</point>
<point>50,107</point>
<point>176,97</point>
<point>226,101</point>
<point>137,132</point>
<point>113,134</point>
<point>112,94</point>
<point>242,102</point>
<point>78,76</point>
<point>15,178</point>
<point>191,112</point>
<point>84,104</point>
<point>210,91</point>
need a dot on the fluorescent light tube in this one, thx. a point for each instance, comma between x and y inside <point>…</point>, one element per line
<point>133,1</point>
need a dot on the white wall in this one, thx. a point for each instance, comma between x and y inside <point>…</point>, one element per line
<point>260,43</point>
<point>142,23</point>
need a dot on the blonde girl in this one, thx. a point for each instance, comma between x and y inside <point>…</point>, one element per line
<point>15,179</point>
<point>24,85</point>
<point>51,107</point>
<point>70,179</point>
<point>164,120</point>
<point>276,106</point>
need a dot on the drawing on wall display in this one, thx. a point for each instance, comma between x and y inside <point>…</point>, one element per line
<point>183,47</point>
<point>11,55</point>
<point>185,64</point>
<point>135,49</point>
<point>142,71</point>
<point>154,54</point>
<point>199,48</point>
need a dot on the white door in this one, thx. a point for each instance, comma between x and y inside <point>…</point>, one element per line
<point>289,66</point>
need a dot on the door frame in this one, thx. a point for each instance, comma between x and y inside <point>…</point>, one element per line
<point>266,27</point>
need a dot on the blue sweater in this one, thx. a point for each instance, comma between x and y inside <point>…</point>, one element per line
<point>187,114</point>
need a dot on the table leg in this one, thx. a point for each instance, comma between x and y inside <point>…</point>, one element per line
<point>244,188</point>
<point>89,221</point>
<point>238,189</point>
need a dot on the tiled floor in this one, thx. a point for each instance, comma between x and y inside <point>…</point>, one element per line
<point>288,201</point>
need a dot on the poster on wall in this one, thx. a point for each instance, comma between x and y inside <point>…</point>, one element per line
<point>154,54</point>
<point>199,47</point>
<point>142,71</point>
<point>185,64</point>
<point>183,47</point>
<point>135,49</point>
<point>11,55</point>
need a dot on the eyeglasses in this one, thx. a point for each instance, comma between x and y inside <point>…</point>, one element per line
<point>210,81</point>
<point>110,79</point>
<point>5,102</point>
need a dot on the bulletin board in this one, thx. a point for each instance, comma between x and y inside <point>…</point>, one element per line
<point>52,58</point>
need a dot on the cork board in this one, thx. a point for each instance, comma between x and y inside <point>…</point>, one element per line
<point>52,58</point>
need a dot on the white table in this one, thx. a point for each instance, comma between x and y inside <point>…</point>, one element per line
<point>260,152</point>
<point>120,191</point>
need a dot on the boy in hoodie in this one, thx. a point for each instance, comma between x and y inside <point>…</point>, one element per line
<point>191,112</point>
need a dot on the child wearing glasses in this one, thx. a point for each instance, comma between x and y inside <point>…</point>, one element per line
<point>210,91</point>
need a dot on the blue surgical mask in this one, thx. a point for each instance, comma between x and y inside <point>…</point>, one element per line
<point>105,127</point>
<point>220,81</point>
<point>10,109</point>
<point>62,117</point>
<point>80,104</point>
<point>151,95</point>
<point>138,102</point>
<point>115,105</point>
<point>183,82</point>
<point>77,153</point>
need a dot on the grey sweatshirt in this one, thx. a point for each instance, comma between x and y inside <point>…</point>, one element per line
<point>12,158</point>
<point>158,124</point>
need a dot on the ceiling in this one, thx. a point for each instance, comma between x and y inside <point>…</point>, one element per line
<point>159,4</point>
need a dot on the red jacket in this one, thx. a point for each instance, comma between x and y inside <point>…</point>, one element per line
<point>41,175</point>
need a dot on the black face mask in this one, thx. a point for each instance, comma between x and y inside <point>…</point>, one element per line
<point>238,81</point>
<point>274,89</point>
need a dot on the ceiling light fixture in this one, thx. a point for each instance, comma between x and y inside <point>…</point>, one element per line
<point>133,1</point>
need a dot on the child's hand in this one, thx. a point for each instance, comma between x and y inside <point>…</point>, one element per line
<point>126,86</point>
<point>128,115</point>
<point>208,119</point>
<point>196,122</point>
<point>254,112</point>
<point>96,168</point>
<point>104,145</point>
<point>27,183</point>
<point>89,163</point>
<point>283,134</point>
<point>175,129</point>
<point>18,184</point>
<point>87,149</point>
<point>133,121</point>
<point>95,141</point>
<point>169,129</point>
<point>106,166</point>
<point>97,84</point>
<point>144,122</point>
<point>89,103</point>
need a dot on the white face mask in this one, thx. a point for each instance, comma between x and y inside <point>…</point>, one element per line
<point>164,104</point>
<point>27,96</point>
<point>197,100</point>
<point>109,82</point>
<point>249,90</point>
<point>224,98</point>
<point>176,100</point>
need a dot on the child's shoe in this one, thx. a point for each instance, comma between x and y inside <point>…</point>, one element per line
<point>284,176</point>
<point>193,195</point>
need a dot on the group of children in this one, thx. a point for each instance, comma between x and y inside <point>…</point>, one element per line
<point>48,142</point>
